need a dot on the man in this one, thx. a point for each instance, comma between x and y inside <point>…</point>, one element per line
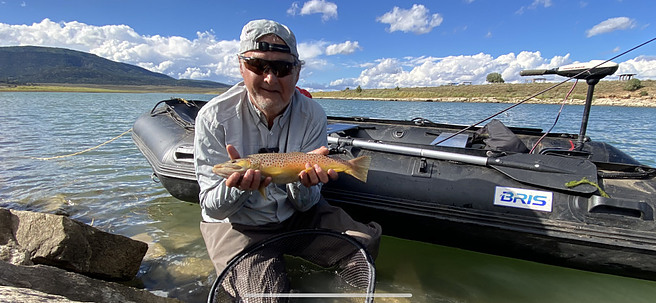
<point>264,113</point>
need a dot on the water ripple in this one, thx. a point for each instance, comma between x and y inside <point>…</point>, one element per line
<point>110,187</point>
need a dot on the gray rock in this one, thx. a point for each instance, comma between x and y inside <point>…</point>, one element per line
<point>10,250</point>
<point>75,287</point>
<point>71,245</point>
<point>24,295</point>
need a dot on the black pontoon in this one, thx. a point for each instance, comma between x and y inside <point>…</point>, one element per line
<point>571,201</point>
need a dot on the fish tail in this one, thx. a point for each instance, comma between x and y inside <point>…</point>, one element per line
<point>359,167</point>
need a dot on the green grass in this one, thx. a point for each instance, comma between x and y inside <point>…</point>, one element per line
<point>500,91</point>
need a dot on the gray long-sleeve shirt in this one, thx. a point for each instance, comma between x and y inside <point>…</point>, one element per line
<point>231,119</point>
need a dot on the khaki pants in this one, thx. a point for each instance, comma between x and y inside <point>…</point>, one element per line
<point>226,240</point>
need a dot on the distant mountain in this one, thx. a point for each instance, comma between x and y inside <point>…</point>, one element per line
<point>34,64</point>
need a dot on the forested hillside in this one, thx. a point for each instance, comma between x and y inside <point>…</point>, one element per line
<point>32,64</point>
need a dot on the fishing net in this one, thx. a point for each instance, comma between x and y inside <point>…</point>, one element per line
<point>299,266</point>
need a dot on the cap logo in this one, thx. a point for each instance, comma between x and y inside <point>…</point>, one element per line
<point>266,47</point>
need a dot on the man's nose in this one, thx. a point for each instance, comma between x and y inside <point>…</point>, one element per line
<point>269,75</point>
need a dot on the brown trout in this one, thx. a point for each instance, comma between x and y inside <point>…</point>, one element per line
<point>284,167</point>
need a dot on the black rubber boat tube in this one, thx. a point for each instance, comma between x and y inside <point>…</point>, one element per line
<point>540,170</point>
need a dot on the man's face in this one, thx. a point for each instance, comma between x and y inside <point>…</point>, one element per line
<point>269,93</point>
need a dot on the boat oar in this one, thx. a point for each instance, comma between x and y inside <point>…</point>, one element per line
<point>535,169</point>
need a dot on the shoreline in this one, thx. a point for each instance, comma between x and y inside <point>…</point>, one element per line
<point>624,99</point>
<point>100,88</point>
<point>624,102</point>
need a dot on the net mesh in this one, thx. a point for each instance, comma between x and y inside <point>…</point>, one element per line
<point>299,266</point>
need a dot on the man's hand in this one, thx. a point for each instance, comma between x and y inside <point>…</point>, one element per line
<point>250,180</point>
<point>316,175</point>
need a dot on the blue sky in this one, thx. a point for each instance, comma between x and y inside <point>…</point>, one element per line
<point>375,44</point>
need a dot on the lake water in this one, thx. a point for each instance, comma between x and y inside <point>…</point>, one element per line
<point>110,188</point>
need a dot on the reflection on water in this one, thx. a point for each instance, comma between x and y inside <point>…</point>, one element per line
<point>433,273</point>
<point>111,188</point>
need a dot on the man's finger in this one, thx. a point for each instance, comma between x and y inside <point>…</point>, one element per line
<point>232,152</point>
<point>312,174</point>
<point>320,151</point>
<point>332,174</point>
<point>247,180</point>
<point>322,175</point>
<point>233,180</point>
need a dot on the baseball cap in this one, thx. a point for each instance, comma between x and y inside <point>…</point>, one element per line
<point>255,29</point>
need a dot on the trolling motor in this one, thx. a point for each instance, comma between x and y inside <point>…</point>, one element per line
<point>591,72</point>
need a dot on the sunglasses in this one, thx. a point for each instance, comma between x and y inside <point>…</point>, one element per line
<point>260,66</point>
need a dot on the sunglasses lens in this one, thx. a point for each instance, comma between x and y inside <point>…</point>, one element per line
<point>260,66</point>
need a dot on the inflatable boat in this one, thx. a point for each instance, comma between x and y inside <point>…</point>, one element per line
<point>556,198</point>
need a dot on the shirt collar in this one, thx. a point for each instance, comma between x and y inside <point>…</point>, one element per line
<point>259,117</point>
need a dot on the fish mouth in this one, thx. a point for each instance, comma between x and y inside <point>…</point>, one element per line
<point>225,170</point>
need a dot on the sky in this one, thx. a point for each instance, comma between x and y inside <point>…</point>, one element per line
<point>373,44</point>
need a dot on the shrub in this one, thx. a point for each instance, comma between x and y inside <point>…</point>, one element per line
<point>494,78</point>
<point>358,89</point>
<point>633,85</point>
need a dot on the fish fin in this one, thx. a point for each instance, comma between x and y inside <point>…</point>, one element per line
<point>359,167</point>
<point>262,191</point>
<point>275,171</point>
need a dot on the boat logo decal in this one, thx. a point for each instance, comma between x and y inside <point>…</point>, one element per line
<point>523,198</point>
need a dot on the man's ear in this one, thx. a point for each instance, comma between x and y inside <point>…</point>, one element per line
<point>297,75</point>
<point>241,68</point>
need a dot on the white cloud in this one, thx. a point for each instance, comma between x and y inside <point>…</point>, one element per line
<point>328,10</point>
<point>643,66</point>
<point>311,50</point>
<point>432,71</point>
<point>207,57</point>
<point>203,57</point>
<point>535,5</point>
<point>611,25</point>
<point>293,10</point>
<point>416,19</point>
<point>345,48</point>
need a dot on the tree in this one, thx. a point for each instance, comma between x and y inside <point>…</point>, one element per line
<point>633,85</point>
<point>358,89</point>
<point>494,78</point>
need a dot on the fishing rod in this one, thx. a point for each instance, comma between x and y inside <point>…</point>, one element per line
<point>591,69</point>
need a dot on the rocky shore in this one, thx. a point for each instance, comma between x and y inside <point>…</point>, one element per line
<point>51,258</point>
